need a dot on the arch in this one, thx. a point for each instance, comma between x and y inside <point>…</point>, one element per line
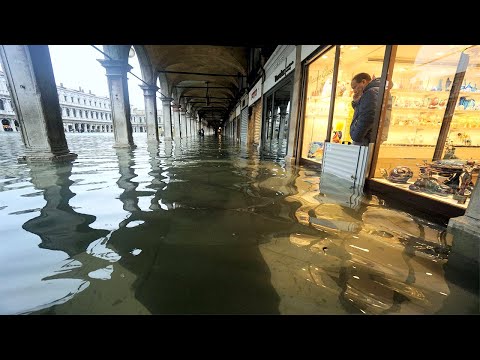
<point>148,75</point>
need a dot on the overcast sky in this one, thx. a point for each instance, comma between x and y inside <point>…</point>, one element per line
<point>77,65</point>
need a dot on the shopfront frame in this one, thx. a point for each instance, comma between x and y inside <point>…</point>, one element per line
<point>432,205</point>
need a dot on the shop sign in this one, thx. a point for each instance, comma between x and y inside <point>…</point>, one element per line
<point>255,93</point>
<point>284,71</point>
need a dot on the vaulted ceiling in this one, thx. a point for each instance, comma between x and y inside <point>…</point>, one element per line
<point>190,69</point>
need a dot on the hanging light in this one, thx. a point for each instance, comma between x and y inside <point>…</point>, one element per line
<point>208,100</point>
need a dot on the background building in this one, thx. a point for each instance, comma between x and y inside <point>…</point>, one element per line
<point>81,111</point>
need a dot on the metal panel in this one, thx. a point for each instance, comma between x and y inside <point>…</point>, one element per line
<point>346,162</point>
<point>244,126</point>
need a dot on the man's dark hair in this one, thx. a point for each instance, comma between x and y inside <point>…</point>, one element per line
<point>362,76</point>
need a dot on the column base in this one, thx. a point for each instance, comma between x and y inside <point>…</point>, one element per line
<point>46,158</point>
<point>124,146</point>
<point>465,223</point>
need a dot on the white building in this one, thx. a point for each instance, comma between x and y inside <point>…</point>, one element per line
<point>81,111</point>
<point>7,114</point>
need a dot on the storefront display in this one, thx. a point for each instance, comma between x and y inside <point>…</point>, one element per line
<point>434,126</point>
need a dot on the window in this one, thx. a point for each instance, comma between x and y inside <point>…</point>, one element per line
<point>84,102</point>
<point>431,121</point>
<point>68,112</point>
<point>2,106</point>
<point>65,97</point>
<point>317,106</point>
<point>71,97</point>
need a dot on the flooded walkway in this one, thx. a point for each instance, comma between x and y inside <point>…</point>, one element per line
<point>204,227</point>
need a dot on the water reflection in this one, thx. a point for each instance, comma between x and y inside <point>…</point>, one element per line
<point>206,226</point>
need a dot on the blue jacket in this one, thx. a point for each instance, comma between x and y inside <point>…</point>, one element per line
<point>364,114</point>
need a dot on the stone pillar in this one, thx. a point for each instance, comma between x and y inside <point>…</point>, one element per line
<point>167,118</point>
<point>176,121</point>
<point>118,88</point>
<point>149,93</point>
<point>294,109</point>
<point>183,122</point>
<point>470,222</point>
<point>29,72</point>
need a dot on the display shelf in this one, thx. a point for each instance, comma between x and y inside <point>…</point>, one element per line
<point>445,199</point>
<point>423,109</point>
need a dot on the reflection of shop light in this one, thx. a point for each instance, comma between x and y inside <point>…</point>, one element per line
<point>359,248</point>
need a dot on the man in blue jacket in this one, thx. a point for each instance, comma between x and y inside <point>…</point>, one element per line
<point>365,96</point>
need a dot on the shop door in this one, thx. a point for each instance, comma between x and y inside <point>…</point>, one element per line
<point>244,126</point>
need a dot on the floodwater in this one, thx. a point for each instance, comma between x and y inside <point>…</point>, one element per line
<point>205,227</point>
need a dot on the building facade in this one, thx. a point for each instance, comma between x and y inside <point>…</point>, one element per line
<point>81,111</point>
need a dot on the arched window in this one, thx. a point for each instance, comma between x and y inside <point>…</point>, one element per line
<point>68,112</point>
<point>74,113</point>
<point>2,105</point>
<point>96,112</point>
<point>84,102</point>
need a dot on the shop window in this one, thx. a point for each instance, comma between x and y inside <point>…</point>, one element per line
<point>317,105</point>
<point>354,59</point>
<point>430,140</point>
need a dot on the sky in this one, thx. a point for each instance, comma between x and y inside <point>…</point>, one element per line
<point>77,65</point>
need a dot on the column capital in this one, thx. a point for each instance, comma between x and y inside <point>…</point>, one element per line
<point>115,67</point>
<point>176,108</point>
<point>166,100</point>
<point>149,90</point>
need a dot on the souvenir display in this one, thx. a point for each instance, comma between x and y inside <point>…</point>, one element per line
<point>400,174</point>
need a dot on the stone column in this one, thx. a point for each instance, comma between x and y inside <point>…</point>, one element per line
<point>470,222</point>
<point>149,93</point>
<point>176,121</point>
<point>183,122</point>
<point>167,118</point>
<point>294,109</point>
<point>118,88</point>
<point>29,72</point>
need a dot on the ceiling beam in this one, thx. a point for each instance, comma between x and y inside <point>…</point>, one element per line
<point>195,73</point>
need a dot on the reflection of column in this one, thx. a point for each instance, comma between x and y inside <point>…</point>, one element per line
<point>462,273</point>
<point>283,117</point>
<point>129,197</point>
<point>118,89</point>
<point>167,118</point>
<point>149,93</point>
<point>59,226</point>
<point>30,75</point>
